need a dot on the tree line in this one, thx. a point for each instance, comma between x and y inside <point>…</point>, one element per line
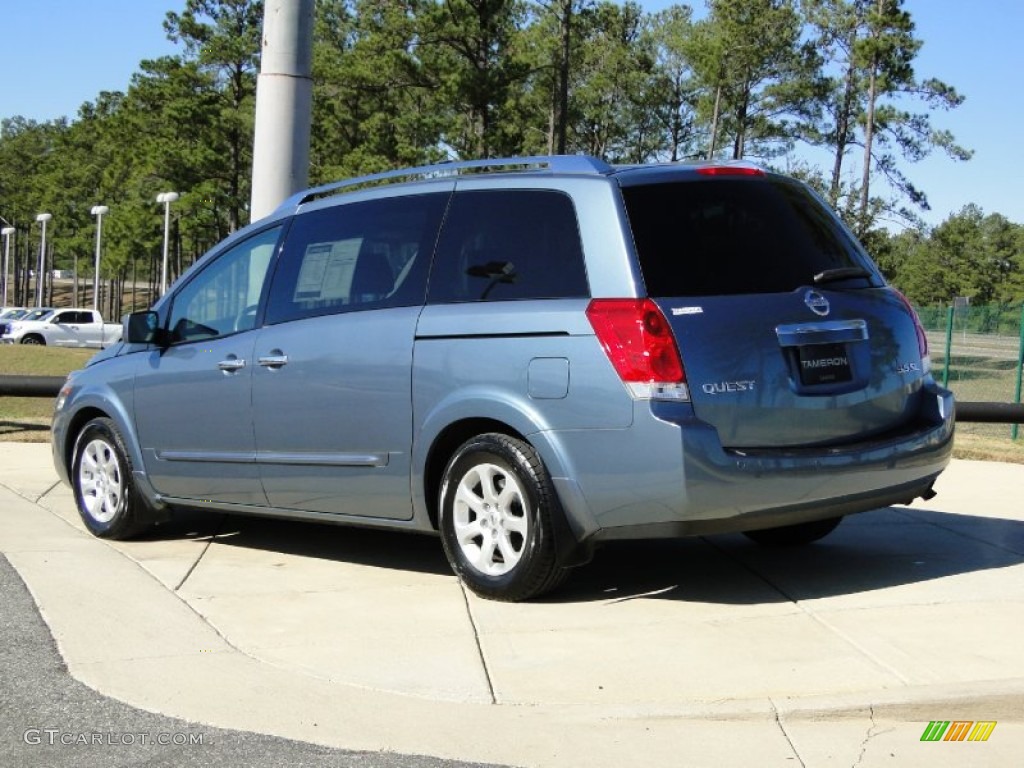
<point>408,82</point>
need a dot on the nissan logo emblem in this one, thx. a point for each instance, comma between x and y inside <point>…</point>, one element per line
<point>817,303</point>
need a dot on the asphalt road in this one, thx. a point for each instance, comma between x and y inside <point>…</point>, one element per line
<point>49,719</point>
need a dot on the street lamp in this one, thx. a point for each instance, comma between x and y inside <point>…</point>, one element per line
<point>97,211</point>
<point>166,198</point>
<point>6,232</point>
<point>42,218</point>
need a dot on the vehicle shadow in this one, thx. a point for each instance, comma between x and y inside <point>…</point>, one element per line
<point>871,551</point>
<point>867,552</point>
<point>361,546</point>
<point>9,429</point>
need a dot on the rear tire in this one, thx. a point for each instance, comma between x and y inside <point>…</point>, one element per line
<point>105,492</point>
<point>497,503</point>
<point>795,535</point>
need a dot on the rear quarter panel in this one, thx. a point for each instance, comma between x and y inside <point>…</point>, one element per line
<point>534,366</point>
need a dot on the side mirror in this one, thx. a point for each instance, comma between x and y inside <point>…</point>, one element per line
<point>142,328</point>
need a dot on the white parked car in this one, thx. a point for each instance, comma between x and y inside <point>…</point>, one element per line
<point>10,314</point>
<point>63,328</point>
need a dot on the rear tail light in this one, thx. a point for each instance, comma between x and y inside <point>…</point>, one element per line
<point>922,339</point>
<point>639,343</point>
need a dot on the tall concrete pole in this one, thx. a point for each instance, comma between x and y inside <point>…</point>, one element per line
<point>284,103</point>
<point>166,198</point>
<point>97,211</point>
<point>8,233</point>
<point>42,218</point>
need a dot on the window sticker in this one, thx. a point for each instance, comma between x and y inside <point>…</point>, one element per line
<point>326,272</point>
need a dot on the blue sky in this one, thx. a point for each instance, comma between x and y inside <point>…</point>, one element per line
<point>57,54</point>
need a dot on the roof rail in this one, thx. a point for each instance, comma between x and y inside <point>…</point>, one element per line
<point>581,164</point>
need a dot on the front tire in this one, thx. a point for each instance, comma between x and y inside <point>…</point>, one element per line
<point>34,339</point>
<point>105,493</point>
<point>795,535</point>
<point>496,507</point>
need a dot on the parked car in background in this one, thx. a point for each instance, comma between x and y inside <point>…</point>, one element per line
<point>528,357</point>
<point>22,313</point>
<point>63,328</point>
<point>9,314</point>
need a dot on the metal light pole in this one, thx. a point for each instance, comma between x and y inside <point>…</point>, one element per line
<point>97,211</point>
<point>42,218</point>
<point>166,198</point>
<point>7,232</point>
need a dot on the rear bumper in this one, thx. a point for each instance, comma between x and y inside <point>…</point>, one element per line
<point>788,514</point>
<point>717,490</point>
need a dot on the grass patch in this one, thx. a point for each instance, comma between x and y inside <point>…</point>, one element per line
<point>993,381</point>
<point>29,360</point>
<point>27,419</point>
<point>983,448</point>
<point>18,409</point>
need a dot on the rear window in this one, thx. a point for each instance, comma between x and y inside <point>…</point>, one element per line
<point>726,236</point>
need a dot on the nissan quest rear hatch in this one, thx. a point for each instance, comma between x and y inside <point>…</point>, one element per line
<point>788,334</point>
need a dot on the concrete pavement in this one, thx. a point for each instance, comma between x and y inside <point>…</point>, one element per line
<point>694,652</point>
<point>42,707</point>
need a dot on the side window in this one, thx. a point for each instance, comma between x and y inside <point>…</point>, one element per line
<point>65,318</point>
<point>364,255</point>
<point>510,244</point>
<point>223,298</point>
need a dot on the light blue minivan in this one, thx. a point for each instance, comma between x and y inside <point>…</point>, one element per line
<point>527,356</point>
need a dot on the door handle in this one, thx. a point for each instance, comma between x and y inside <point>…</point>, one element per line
<point>273,361</point>
<point>231,364</point>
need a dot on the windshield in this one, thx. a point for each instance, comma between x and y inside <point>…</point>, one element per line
<point>37,314</point>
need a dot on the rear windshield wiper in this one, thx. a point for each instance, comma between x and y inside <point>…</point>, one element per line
<point>841,273</point>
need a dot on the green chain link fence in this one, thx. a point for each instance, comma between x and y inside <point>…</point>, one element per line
<point>978,352</point>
